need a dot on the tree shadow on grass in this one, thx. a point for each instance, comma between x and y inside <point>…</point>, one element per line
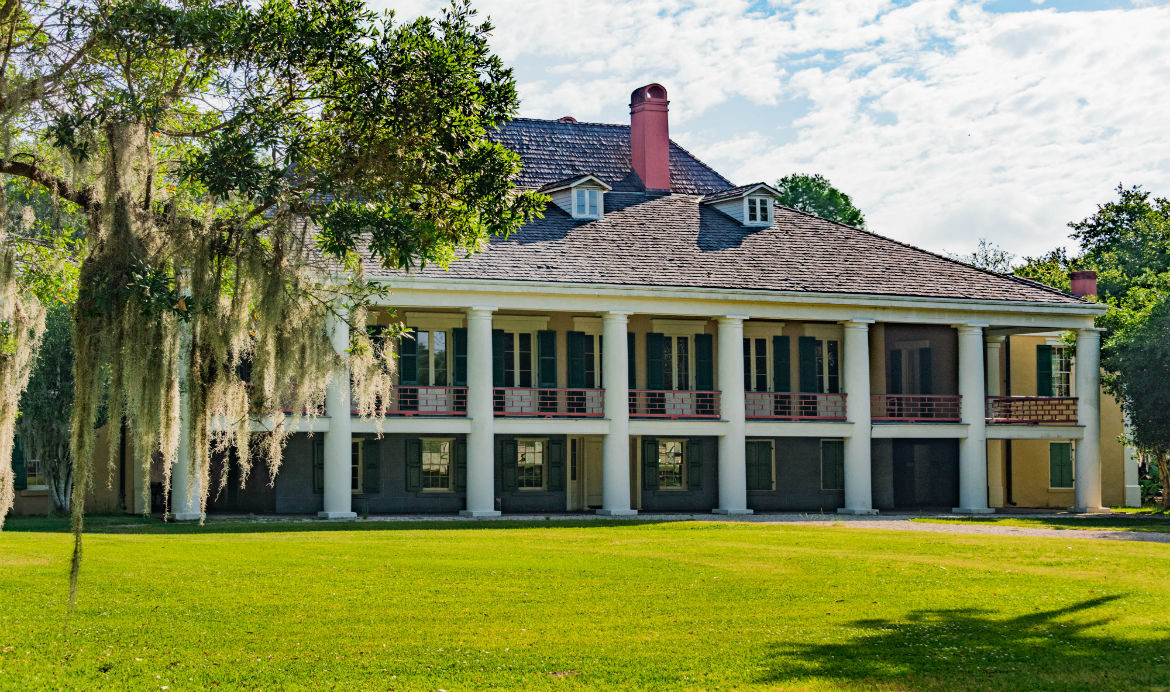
<point>123,524</point>
<point>967,649</point>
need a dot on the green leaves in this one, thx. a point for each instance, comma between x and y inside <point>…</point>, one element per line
<point>814,194</point>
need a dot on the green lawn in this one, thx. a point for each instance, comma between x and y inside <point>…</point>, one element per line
<point>550,605</point>
<point>1145,524</point>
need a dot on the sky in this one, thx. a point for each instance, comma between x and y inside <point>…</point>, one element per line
<point>946,121</point>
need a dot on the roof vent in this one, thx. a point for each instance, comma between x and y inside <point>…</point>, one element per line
<point>567,119</point>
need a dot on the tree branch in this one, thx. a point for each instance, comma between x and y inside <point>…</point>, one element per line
<point>55,185</point>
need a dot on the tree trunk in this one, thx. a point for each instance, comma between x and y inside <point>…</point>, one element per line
<point>1163,462</point>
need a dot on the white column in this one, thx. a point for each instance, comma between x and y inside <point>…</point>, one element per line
<point>481,441</point>
<point>186,481</point>
<point>732,445</point>
<point>973,448</point>
<point>338,438</point>
<point>615,456</point>
<point>993,347</point>
<point>1088,450</point>
<point>858,447</point>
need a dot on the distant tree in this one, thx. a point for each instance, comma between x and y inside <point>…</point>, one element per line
<point>987,255</point>
<point>1050,269</point>
<point>46,406</point>
<point>814,194</point>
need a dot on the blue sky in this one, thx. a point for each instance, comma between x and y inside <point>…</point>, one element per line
<point>946,120</point>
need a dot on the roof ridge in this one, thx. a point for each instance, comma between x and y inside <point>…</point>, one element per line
<point>701,162</point>
<point>952,260</point>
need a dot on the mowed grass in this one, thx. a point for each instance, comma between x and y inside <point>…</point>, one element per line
<point>1140,524</point>
<point>547,605</point>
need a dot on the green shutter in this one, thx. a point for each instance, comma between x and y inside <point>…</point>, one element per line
<point>759,465</point>
<point>413,465</point>
<point>371,467</point>
<point>546,358</point>
<point>460,465</point>
<point>832,464</point>
<point>1043,371</point>
<point>806,347</point>
<point>497,357</point>
<point>631,360</point>
<point>925,372</point>
<point>781,365</point>
<point>704,363</point>
<point>1060,467</point>
<point>649,463</point>
<point>459,355</point>
<point>556,465</point>
<point>509,458</point>
<point>655,365</point>
<point>575,343</point>
<point>894,385</point>
<point>694,465</point>
<point>408,358</point>
<point>19,467</point>
<point>319,464</point>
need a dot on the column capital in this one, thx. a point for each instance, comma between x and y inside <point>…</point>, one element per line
<point>995,341</point>
<point>971,327</point>
<point>733,319</point>
<point>1091,332</point>
<point>858,323</point>
<point>480,311</point>
<point>616,314</point>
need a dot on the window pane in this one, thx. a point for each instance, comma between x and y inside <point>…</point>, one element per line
<point>1061,371</point>
<point>751,210</point>
<point>436,464</point>
<point>764,209</point>
<point>594,199</point>
<point>833,366</point>
<point>683,363</point>
<point>761,365</point>
<point>530,464</point>
<point>820,361</point>
<point>747,365</point>
<point>439,351</point>
<point>424,357</point>
<point>590,361</point>
<point>579,202</point>
<point>509,359</point>
<point>355,467</point>
<point>670,465</point>
<point>524,368</point>
<point>668,363</point>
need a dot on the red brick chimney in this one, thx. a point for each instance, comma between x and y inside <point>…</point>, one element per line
<point>1084,283</point>
<point>650,136</point>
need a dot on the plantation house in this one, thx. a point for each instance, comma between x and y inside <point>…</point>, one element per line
<point>664,340</point>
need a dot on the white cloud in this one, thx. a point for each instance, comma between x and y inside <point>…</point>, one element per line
<point>944,121</point>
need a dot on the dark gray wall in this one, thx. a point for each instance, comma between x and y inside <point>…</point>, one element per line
<point>798,480</point>
<point>528,501</point>
<point>702,500</point>
<point>256,497</point>
<point>294,483</point>
<point>926,474</point>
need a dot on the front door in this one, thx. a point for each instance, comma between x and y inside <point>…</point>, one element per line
<point>592,466</point>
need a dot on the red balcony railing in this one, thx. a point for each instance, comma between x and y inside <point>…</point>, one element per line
<point>916,408</point>
<point>657,403</point>
<point>549,403</point>
<point>1032,410</point>
<point>413,400</point>
<point>794,406</point>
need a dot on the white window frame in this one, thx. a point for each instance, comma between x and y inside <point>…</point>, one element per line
<point>543,442</point>
<point>430,364</point>
<point>29,465</point>
<point>823,371</point>
<point>586,197</point>
<point>682,442</point>
<point>1063,381</point>
<point>749,371</point>
<point>357,466</point>
<point>672,385</point>
<point>761,207</point>
<point>532,370</point>
<point>592,329</point>
<point>450,441</point>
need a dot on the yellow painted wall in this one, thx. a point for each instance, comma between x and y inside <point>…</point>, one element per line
<point>103,498</point>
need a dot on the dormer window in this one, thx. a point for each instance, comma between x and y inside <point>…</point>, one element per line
<point>586,203</point>
<point>759,210</point>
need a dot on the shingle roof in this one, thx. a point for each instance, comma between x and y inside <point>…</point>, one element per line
<point>737,191</point>
<point>554,150</point>
<point>674,240</point>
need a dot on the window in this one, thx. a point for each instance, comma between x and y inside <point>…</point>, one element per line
<point>593,361</point>
<point>1061,371</point>
<point>1060,464</point>
<point>530,458</point>
<point>828,366</point>
<point>587,204</point>
<point>35,475</point>
<point>436,465</point>
<point>759,210</point>
<point>672,465</point>
<point>433,354</point>
<point>676,359</point>
<point>518,359</point>
<point>832,465</point>
<point>755,365</point>
<point>355,466</point>
<point>760,465</point>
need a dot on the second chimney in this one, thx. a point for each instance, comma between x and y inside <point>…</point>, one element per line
<point>1084,283</point>
<point>650,136</point>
